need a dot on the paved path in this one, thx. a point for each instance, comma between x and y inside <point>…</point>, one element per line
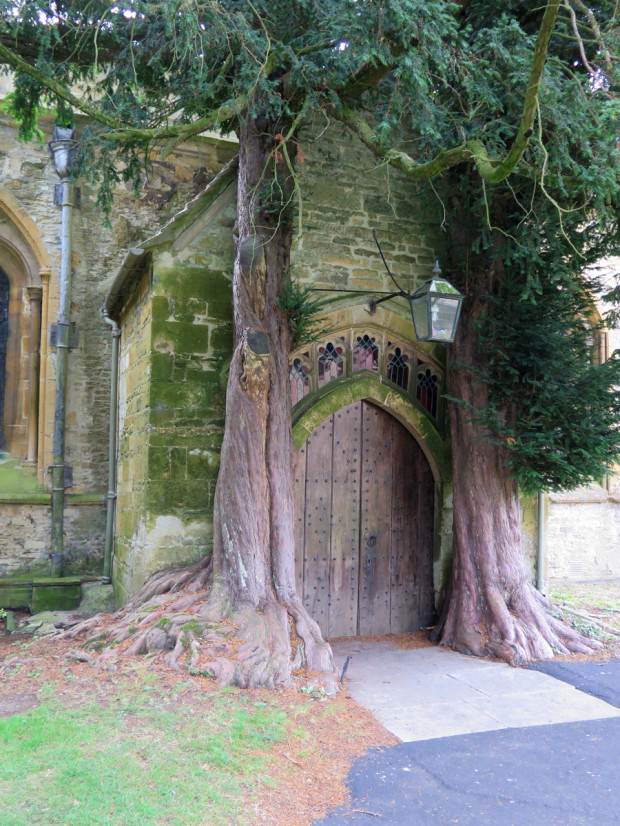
<point>561,775</point>
<point>434,692</point>
<point>484,743</point>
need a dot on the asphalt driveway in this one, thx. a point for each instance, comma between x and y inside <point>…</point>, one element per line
<point>498,772</point>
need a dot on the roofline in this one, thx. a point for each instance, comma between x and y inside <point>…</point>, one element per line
<point>134,260</point>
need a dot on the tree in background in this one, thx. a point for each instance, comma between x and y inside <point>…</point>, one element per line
<point>501,108</point>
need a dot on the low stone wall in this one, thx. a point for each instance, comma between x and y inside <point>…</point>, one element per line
<point>25,542</point>
<point>583,535</point>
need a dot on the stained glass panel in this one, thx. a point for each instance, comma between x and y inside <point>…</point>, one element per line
<point>298,377</point>
<point>365,354</point>
<point>427,390</point>
<point>330,363</point>
<point>397,368</point>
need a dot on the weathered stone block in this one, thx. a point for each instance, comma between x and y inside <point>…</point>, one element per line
<point>15,595</point>
<point>46,597</point>
<point>162,365</point>
<point>178,463</point>
<point>159,463</point>
<point>96,598</point>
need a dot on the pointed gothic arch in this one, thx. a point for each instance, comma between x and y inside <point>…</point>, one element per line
<point>26,265</point>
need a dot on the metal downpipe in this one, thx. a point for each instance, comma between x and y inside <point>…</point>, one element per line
<point>111,498</point>
<point>540,550</point>
<point>62,358</point>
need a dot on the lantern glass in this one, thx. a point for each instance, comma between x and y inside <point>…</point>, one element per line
<point>419,312</point>
<point>435,309</point>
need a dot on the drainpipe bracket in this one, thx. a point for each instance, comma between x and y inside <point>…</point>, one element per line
<point>59,196</point>
<point>64,335</point>
<point>68,475</point>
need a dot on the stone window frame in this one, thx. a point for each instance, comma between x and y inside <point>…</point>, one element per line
<point>28,266</point>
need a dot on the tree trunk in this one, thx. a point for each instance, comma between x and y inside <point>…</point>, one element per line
<point>237,616</point>
<point>254,550</point>
<point>491,609</point>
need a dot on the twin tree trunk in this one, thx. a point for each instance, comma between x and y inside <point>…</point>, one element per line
<point>491,608</point>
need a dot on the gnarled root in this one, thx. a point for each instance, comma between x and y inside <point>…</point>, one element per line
<point>518,629</point>
<point>187,620</point>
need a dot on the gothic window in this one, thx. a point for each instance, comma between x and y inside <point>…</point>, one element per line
<point>300,383</point>
<point>330,363</point>
<point>365,354</point>
<point>397,368</point>
<point>427,390</point>
<point>4,337</point>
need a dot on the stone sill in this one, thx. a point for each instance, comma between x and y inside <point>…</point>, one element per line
<point>594,495</point>
<point>46,499</point>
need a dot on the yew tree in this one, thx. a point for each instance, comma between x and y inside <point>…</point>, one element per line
<point>507,111</point>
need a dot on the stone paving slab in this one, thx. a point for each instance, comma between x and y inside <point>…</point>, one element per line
<point>433,692</point>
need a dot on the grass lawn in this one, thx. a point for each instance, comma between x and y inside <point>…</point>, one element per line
<point>147,745</point>
<point>146,757</point>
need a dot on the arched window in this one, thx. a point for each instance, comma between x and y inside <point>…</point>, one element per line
<point>4,338</point>
<point>397,368</point>
<point>298,377</point>
<point>330,362</point>
<point>426,390</point>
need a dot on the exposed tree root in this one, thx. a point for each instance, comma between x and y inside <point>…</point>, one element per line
<point>180,616</point>
<point>516,629</point>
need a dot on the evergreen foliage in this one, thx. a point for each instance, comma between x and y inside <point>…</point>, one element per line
<point>555,406</point>
<point>525,163</point>
<point>302,310</point>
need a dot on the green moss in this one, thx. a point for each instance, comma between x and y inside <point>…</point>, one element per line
<point>222,340</point>
<point>202,464</point>
<point>160,309</point>
<point>186,395</point>
<point>180,337</point>
<point>15,596</point>
<point>55,597</point>
<point>193,625</point>
<point>159,463</point>
<point>188,309</point>
<point>162,365</point>
<point>181,497</point>
<point>178,463</point>
<point>14,479</point>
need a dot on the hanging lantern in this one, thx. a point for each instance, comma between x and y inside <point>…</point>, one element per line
<point>435,309</point>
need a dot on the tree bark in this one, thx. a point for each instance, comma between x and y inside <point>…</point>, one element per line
<point>491,608</point>
<point>254,550</point>
<point>237,616</point>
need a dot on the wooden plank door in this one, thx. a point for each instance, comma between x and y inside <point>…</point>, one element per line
<point>364,496</point>
<point>375,533</point>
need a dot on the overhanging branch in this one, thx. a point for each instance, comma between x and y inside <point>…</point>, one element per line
<point>121,131</point>
<point>492,171</point>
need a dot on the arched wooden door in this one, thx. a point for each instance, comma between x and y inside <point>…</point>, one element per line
<point>364,525</point>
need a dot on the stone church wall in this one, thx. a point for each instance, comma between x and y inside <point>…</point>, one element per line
<point>27,180</point>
